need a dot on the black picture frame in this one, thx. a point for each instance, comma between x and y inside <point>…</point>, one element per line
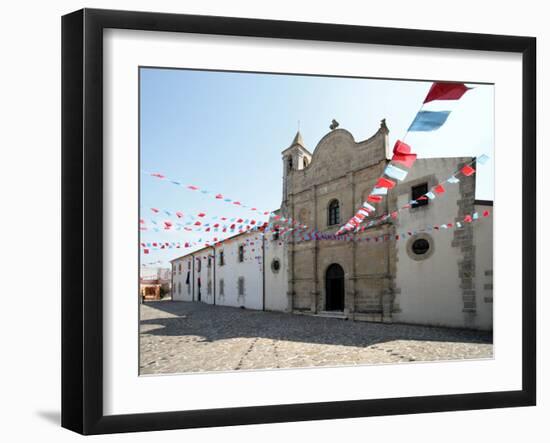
<point>82,234</point>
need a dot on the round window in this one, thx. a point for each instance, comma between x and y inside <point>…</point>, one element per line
<point>275,265</point>
<point>421,246</point>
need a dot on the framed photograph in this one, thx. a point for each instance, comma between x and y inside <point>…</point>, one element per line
<point>269,221</point>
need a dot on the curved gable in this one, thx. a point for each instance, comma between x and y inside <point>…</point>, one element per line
<point>337,154</point>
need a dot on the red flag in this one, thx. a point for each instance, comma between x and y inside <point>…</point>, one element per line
<point>146,251</point>
<point>439,189</point>
<point>394,215</point>
<point>385,183</point>
<point>157,175</point>
<point>155,210</point>
<point>404,159</point>
<point>467,170</point>
<point>201,214</point>
<point>219,196</point>
<point>446,91</point>
<point>192,187</point>
<point>197,223</point>
<point>374,198</point>
<point>236,203</point>
<point>468,218</point>
<point>485,213</point>
<point>179,214</point>
<point>401,148</point>
<point>240,220</point>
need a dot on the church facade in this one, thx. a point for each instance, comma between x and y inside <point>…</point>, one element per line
<point>416,275</point>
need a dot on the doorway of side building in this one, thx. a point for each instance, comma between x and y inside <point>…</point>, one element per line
<point>334,286</point>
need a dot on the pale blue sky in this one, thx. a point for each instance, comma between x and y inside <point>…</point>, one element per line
<point>225,132</point>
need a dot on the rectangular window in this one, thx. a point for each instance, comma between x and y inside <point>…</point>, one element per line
<point>417,192</point>
<point>222,287</point>
<point>275,235</point>
<point>209,287</point>
<point>241,253</point>
<point>209,261</point>
<point>222,261</point>
<point>240,284</point>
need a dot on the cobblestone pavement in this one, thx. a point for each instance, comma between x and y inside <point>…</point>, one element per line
<point>192,337</point>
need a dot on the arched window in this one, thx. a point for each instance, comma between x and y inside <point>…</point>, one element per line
<point>305,162</point>
<point>333,213</point>
<point>290,163</point>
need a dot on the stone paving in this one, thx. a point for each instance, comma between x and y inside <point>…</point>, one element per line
<point>178,337</point>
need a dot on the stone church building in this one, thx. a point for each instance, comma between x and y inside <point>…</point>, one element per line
<point>417,275</point>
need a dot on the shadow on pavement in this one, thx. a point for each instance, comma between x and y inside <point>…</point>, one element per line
<point>213,323</point>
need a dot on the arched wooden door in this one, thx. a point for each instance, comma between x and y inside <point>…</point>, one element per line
<point>334,287</point>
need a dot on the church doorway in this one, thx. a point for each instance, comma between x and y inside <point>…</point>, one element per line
<point>334,288</point>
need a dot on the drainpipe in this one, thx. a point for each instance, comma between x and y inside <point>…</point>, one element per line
<point>214,272</point>
<point>263,272</point>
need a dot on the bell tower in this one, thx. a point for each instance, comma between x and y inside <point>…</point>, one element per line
<point>295,158</point>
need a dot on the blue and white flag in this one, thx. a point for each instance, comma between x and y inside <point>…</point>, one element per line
<point>369,206</point>
<point>482,159</point>
<point>379,191</point>
<point>452,179</point>
<point>429,120</point>
<point>395,172</point>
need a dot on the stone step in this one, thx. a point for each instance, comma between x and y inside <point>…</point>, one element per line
<point>331,314</point>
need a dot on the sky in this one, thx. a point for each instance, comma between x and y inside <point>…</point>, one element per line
<point>224,132</point>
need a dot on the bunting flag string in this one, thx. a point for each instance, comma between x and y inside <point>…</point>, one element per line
<point>403,159</point>
<point>165,221</point>
<point>152,263</point>
<point>215,195</point>
<point>277,223</point>
<point>438,189</point>
<point>468,218</point>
